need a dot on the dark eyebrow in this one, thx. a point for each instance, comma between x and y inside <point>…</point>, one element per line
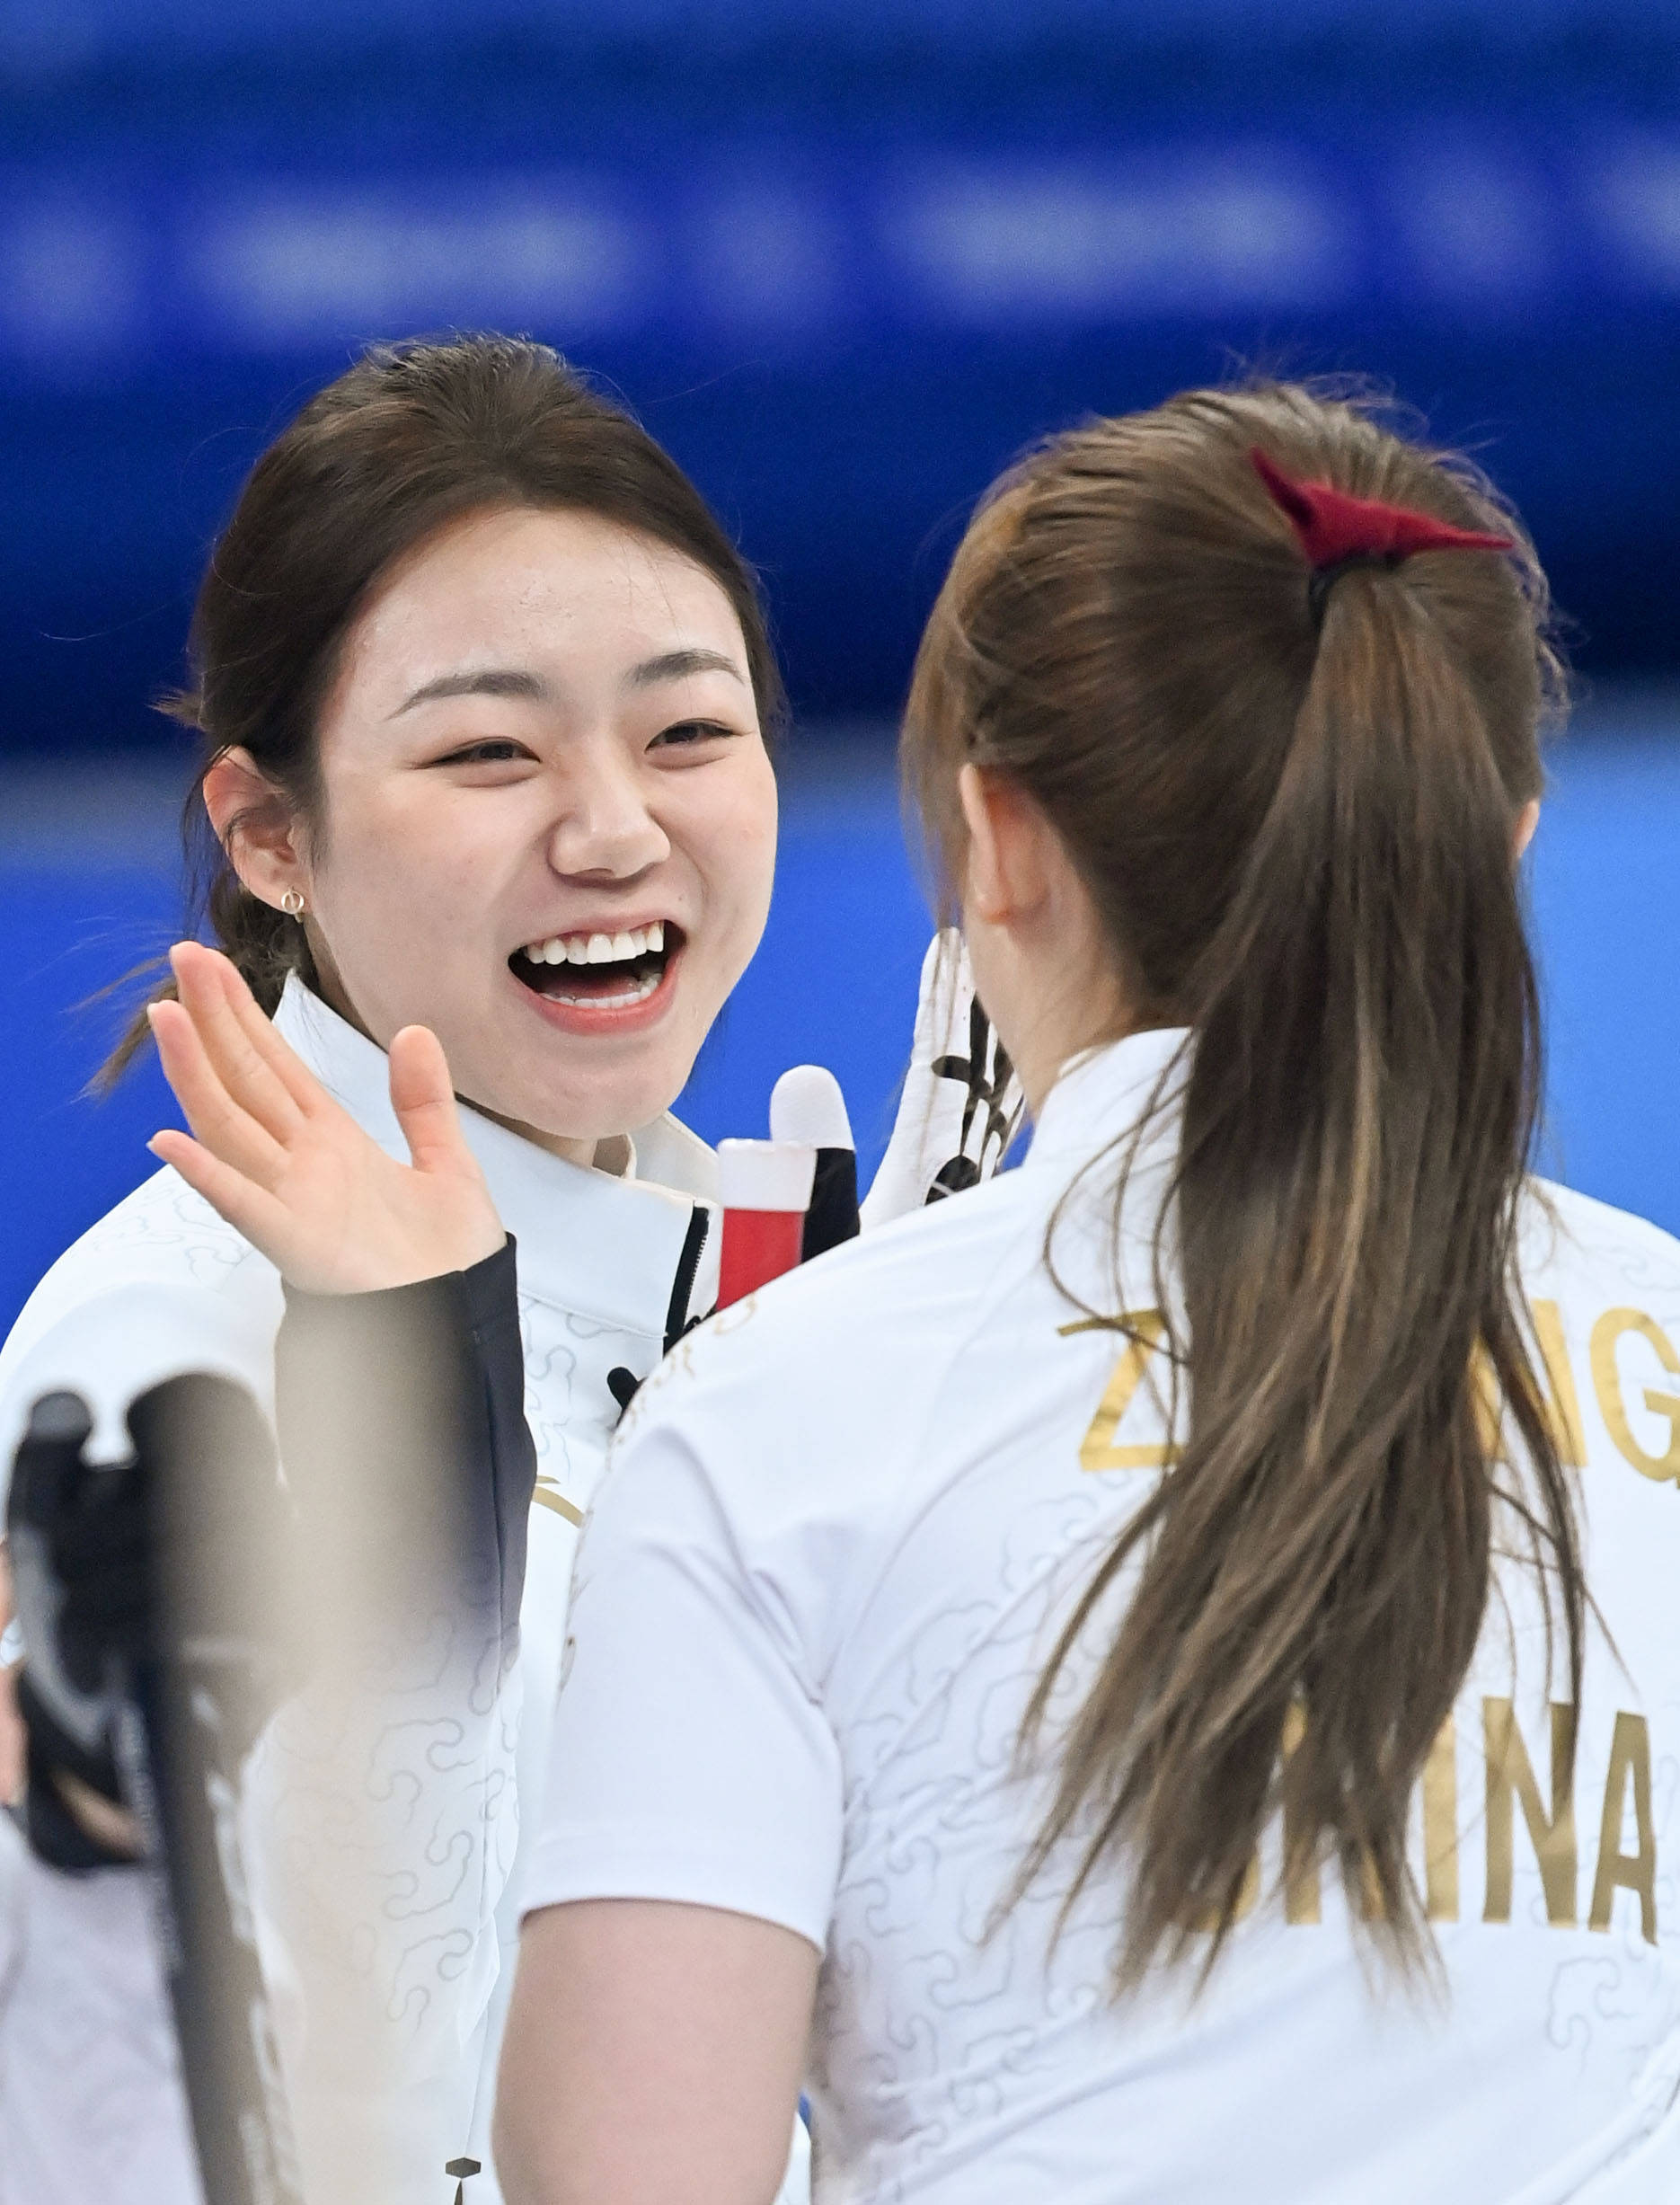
<point>672,665</point>
<point>492,681</point>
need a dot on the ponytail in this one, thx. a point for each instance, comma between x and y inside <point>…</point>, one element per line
<point>1301,838</point>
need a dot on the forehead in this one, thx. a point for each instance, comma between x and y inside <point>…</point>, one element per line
<point>562,592</point>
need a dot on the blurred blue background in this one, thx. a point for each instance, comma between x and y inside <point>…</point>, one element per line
<point>844,257</point>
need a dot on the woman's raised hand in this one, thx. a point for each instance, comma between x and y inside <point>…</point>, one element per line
<point>291,1170</point>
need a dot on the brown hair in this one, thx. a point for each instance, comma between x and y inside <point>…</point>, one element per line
<point>1299,842</point>
<point>411,437</point>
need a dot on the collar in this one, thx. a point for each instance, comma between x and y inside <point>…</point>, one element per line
<point>594,1245</point>
<point>1099,1095</point>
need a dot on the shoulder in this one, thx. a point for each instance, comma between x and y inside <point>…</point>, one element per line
<point>162,1232</point>
<point>160,1284</point>
<point>784,1444</point>
<point>903,1296</point>
<point>802,1413</point>
<point>1573,1246</point>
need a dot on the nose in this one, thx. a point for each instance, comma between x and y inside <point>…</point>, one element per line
<point>604,830</point>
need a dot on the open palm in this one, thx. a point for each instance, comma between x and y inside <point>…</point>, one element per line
<point>290,1168</point>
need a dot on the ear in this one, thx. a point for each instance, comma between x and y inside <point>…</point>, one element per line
<point>256,826</point>
<point>1527,820</point>
<point>1008,869</point>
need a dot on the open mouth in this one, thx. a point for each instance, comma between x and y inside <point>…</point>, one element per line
<point>598,971</point>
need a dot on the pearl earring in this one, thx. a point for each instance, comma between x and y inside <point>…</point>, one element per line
<point>292,904</point>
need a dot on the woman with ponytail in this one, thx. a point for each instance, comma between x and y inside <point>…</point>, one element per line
<point>1154,1680</point>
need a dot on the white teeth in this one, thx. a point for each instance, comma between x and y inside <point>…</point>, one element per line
<point>596,948</point>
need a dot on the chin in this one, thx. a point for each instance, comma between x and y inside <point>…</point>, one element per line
<point>594,1110</point>
<point>573,1070</point>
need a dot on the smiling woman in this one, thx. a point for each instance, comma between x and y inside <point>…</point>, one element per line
<point>460,575</point>
<point>542,734</point>
<point>485,692</point>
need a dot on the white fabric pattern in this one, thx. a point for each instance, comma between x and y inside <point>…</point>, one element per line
<point>818,1583</point>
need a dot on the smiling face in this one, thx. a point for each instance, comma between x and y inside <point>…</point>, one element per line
<point>547,827</point>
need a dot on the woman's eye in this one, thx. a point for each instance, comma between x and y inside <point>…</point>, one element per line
<point>687,732</point>
<point>496,751</point>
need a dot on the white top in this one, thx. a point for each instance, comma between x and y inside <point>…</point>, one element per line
<point>90,2104</point>
<point>816,1590</point>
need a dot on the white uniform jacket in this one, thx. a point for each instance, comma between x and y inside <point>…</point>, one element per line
<point>91,2105</point>
<point>841,1527</point>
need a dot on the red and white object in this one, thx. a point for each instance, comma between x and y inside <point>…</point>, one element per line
<point>766,1188</point>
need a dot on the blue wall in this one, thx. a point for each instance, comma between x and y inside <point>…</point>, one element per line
<point>836,982</point>
<point>846,256</point>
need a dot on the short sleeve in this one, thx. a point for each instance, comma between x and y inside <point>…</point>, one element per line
<point>692,1759</point>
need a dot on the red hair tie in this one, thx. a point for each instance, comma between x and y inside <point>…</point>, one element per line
<point>1337,531</point>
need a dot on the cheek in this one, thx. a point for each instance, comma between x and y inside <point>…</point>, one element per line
<point>395,884</point>
<point>729,836</point>
<point>421,858</point>
<point>738,862</point>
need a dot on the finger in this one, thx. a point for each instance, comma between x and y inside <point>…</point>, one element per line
<point>211,993</point>
<point>943,997</point>
<point>247,1208</point>
<point>426,1108</point>
<point>269,1043</point>
<point>231,1133</point>
<point>235,1029</point>
<point>929,1024</point>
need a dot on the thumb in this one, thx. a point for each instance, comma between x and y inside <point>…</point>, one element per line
<point>425,1105</point>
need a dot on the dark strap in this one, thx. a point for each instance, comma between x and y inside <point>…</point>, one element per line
<point>833,1216</point>
<point>678,1321</point>
<point>621,1382</point>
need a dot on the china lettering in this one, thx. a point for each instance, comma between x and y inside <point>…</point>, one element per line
<point>1508,1765</point>
<point>1619,1338</point>
<point>1511,1783</point>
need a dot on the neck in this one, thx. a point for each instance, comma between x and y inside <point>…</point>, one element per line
<point>1063,1011</point>
<point>610,1154</point>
